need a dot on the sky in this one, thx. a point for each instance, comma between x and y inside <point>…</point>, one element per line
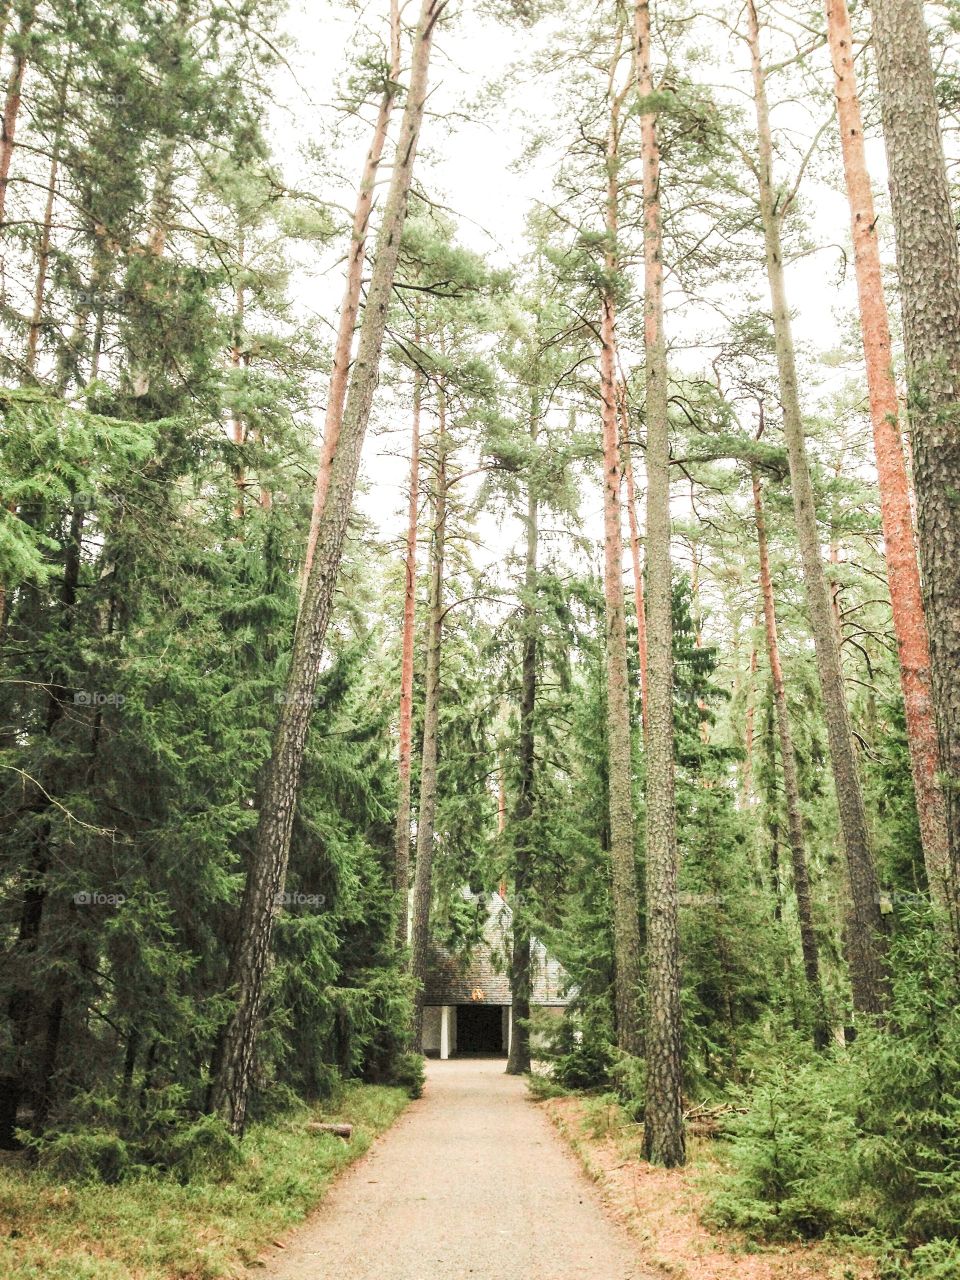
<point>468,161</point>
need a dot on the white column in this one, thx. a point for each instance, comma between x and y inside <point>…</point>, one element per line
<point>509,1029</point>
<point>445,1026</point>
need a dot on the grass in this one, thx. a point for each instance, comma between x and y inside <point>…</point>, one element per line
<point>152,1228</point>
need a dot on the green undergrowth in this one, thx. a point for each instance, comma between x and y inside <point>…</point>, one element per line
<point>157,1227</point>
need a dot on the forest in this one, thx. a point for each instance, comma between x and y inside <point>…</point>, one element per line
<point>459,444</point>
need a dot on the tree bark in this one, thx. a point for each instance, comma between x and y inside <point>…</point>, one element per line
<point>638,600</point>
<point>43,249</point>
<point>518,1060</point>
<point>867,937</point>
<point>906,596</point>
<point>401,857</point>
<point>750,716</point>
<point>237,362</point>
<point>268,866</point>
<point>929,274</point>
<point>791,784</point>
<point>350,305</point>
<point>663,1136</point>
<point>626,921</point>
<point>426,817</point>
<point>12,99</point>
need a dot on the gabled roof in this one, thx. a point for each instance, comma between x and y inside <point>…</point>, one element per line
<point>483,975</point>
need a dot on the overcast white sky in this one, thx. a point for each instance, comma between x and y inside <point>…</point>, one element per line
<point>467,162</point>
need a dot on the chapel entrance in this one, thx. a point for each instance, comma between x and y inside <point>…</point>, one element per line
<point>480,1029</point>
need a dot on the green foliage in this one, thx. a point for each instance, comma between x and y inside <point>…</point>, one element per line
<point>409,1073</point>
<point>864,1137</point>
<point>791,1155</point>
<point>84,1157</point>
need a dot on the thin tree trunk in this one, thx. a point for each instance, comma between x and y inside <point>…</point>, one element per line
<point>791,784</point>
<point>626,923</point>
<point>43,249</point>
<point>12,99</point>
<point>237,363</point>
<point>774,810</point>
<point>750,714</point>
<point>426,817</point>
<point>518,1061</point>
<point>663,1136</point>
<point>268,866</point>
<point>401,857</point>
<point>638,599</point>
<point>868,942</point>
<point>704,727</point>
<point>350,305</point>
<point>904,23</point>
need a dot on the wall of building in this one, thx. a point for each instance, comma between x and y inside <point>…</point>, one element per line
<point>431,1031</point>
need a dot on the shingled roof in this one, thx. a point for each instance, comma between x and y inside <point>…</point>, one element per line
<point>482,976</point>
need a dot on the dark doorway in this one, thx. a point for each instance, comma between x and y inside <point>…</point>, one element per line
<point>480,1029</point>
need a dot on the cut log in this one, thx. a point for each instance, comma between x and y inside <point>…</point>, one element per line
<point>338,1130</point>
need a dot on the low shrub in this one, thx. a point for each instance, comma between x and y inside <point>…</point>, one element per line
<point>83,1157</point>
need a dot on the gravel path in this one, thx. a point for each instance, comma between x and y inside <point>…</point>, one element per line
<point>472,1181</point>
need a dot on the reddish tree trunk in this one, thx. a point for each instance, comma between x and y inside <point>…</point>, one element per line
<point>928,267</point>
<point>903,571</point>
<point>750,714</point>
<point>11,105</point>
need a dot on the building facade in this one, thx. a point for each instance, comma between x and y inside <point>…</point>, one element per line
<point>468,1004</point>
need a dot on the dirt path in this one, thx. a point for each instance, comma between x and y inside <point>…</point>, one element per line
<point>472,1181</point>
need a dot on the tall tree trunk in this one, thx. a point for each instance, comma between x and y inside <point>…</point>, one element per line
<point>626,921</point>
<point>268,865</point>
<point>791,784</point>
<point>518,1060</point>
<point>929,274</point>
<point>401,856</point>
<point>906,597</point>
<point>426,817</point>
<point>663,1136</point>
<point>350,304</point>
<point>43,249</point>
<point>697,619</point>
<point>11,105</point>
<point>750,715</point>
<point>773,809</point>
<point>237,362</point>
<point>867,937</point>
<point>638,599</point>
